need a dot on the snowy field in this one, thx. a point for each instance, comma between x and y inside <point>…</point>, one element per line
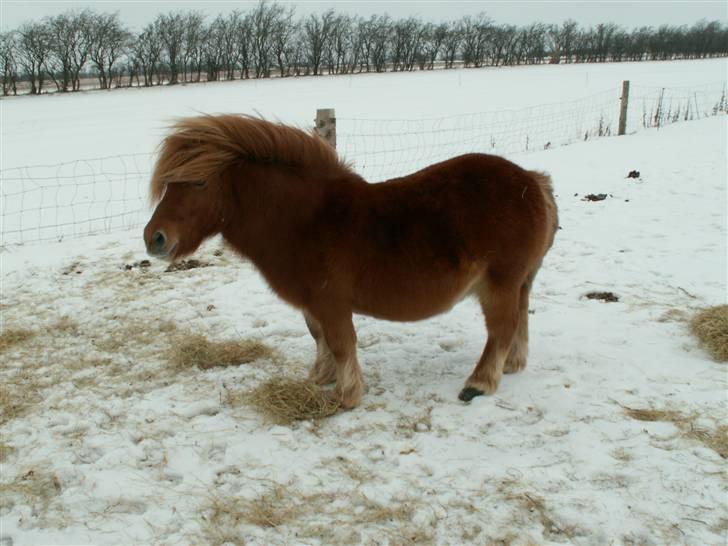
<point>79,164</point>
<point>614,434</point>
<point>56,128</point>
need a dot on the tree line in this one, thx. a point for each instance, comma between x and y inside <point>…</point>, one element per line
<point>269,40</point>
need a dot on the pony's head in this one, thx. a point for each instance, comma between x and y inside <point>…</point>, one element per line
<point>187,187</point>
<point>200,163</point>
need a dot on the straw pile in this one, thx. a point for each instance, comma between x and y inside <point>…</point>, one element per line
<point>710,326</point>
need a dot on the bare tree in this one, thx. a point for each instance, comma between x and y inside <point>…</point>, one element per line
<point>316,30</point>
<point>214,48</point>
<point>147,51</point>
<point>407,41</point>
<point>434,41</point>
<point>282,37</point>
<point>451,44</point>
<point>172,27</point>
<point>33,53</point>
<point>264,19</point>
<point>381,30</point>
<point>70,41</point>
<point>476,33</point>
<point>561,40</point>
<point>8,62</point>
<point>108,42</point>
<point>194,29</point>
<point>229,28</point>
<point>338,45</point>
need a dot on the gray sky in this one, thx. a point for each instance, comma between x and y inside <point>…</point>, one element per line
<point>623,12</point>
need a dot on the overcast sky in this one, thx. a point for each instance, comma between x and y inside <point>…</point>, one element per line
<point>629,14</point>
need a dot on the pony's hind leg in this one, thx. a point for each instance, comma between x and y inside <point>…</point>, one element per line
<point>500,304</point>
<point>341,339</point>
<point>518,355</point>
<point>324,368</point>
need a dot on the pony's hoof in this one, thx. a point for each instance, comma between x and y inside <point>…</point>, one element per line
<point>468,393</point>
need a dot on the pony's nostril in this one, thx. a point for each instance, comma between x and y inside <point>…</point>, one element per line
<point>158,240</point>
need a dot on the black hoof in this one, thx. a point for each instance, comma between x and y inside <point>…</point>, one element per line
<point>468,393</point>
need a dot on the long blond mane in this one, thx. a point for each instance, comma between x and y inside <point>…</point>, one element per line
<point>199,147</point>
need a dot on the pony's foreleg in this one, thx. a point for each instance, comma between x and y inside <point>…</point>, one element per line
<point>341,339</point>
<point>324,369</point>
<point>501,309</point>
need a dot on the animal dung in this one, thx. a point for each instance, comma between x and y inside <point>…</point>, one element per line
<point>595,197</point>
<point>602,296</point>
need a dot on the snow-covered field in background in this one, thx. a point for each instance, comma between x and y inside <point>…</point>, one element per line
<point>111,447</point>
<point>55,186</point>
<point>56,128</point>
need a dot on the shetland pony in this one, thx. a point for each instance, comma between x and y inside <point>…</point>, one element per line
<point>330,244</point>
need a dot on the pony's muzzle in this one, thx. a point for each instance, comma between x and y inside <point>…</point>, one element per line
<point>158,244</point>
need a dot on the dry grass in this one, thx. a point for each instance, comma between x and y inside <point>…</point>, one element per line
<point>710,326</point>
<point>715,439</point>
<point>316,516</point>
<point>17,397</point>
<point>270,509</point>
<point>288,400</point>
<point>14,336</point>
<point>6,451</point>
<point>198,351</point>
<point>351,469</point>
<point>35,488</point>
<point>665,415</point>
<point>66,325</point>
<point>130,333</point>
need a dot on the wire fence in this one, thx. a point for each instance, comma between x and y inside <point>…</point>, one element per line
<point>91,196</point>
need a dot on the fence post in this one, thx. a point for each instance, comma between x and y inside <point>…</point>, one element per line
<point>623,102</point>
<point>326,125</point>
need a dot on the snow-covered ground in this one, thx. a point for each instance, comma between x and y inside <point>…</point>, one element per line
<point>110,445</point>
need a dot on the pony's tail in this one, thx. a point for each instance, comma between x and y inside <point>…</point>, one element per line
<point>552,213</point>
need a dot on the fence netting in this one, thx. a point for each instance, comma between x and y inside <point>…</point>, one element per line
<point>90,196</point>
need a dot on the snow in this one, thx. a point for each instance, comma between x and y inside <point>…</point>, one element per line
<point>119,448</point>
<point>54,128</point>
<point>78,164</point>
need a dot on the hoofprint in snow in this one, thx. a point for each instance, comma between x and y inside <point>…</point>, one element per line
<point>111,445</point>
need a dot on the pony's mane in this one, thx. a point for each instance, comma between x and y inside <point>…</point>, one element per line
<point>199,147</point>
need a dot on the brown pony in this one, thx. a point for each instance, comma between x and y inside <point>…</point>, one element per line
<point>331,244</point>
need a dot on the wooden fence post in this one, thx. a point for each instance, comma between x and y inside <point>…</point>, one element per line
<point>623,102</point>
<point>326,124</point>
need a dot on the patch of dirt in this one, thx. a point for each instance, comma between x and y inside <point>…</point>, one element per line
<point>137,265</point>
<point>602,296</point>
<point>75,267</point>
<point>14,336</point>
<point>184,265</point>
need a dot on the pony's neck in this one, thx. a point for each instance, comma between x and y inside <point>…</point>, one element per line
<point>272,207</point>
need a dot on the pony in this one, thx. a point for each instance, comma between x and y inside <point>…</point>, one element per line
<point>331,244</point>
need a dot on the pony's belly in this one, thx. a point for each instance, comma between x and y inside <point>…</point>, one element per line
<point>411,303</point>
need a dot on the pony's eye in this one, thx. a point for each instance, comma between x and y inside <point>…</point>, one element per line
<point>200,183</point>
